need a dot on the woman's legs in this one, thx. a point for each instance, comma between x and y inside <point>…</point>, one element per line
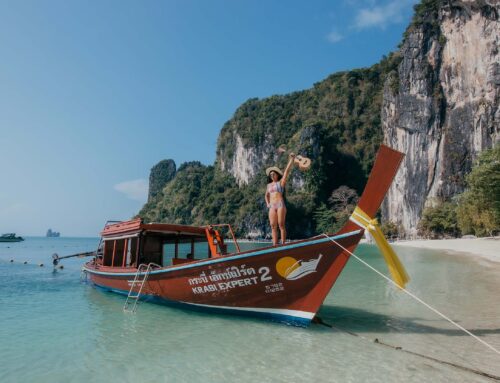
<point>281,223</point>
<point>273,220</point>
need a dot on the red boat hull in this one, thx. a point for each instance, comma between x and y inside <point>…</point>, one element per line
<point>286,283</point>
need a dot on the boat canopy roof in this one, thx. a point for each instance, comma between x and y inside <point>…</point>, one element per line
<point>135,226</point>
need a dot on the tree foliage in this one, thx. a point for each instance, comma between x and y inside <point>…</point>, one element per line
<point>330,218</point>
<point>344,199</point>
<point>390,229</point>
<point>478,209</point>
<point>325,219</point>
<point>439,220</point>
<point>162,173</point>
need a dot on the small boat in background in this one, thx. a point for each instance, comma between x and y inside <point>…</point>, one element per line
<point>10,237</point>
<point>52,234</point>
<point>191,267</point>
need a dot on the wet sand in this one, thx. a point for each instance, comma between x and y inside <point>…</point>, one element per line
<point>487,248</point>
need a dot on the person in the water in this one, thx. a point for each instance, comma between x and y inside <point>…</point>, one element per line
<point>275,200</point>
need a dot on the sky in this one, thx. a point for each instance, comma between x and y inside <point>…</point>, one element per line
<point>95,93</point>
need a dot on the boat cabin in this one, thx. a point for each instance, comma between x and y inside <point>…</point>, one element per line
<point>130,243</point>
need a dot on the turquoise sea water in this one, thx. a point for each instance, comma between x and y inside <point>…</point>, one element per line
<point>54,328</point>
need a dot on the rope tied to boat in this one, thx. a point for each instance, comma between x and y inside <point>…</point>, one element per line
<point>396,268</point>
<point>414,296</point>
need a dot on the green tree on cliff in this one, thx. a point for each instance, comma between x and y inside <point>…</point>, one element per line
<point>162,173</point>
<point>342,202</point>
<point>478,209</point>
<point>439,220</point>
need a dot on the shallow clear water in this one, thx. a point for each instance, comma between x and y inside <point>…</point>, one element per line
<point>54,328</point>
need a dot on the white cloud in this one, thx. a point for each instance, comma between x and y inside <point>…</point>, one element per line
<point>334,37</point>
<point>135,189</point>
<point>380,16</point>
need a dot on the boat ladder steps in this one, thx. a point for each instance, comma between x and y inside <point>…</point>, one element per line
<point>141,276</point>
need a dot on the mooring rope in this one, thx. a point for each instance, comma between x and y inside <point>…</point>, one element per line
<point>398,348</point>
<point>415,297</point>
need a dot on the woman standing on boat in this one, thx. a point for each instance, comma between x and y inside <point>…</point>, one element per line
<point>275,198</point>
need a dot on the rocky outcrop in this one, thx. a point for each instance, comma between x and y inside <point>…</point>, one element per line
<point>250,160</point>
<point>162,173</point>
<point>441,108</point>
<point>247,160</point>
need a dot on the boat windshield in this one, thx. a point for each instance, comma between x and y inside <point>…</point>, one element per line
<point>165,251</point>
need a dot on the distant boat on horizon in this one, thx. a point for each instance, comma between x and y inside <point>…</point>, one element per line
<point>10,237</point>
<point>53,234</point>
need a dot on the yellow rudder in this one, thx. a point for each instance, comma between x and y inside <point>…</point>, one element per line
<point>396,268</point>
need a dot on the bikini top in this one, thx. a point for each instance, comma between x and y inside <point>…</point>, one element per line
<point>275,187</point>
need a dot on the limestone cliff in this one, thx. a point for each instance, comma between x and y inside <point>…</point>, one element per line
<point>247,160</point>
<point>441,107</point>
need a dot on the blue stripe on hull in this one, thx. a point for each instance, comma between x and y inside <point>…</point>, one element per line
<point>202,263</point>
<point>281,318</point>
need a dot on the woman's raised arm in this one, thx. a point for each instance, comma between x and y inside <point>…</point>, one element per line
<point>287,169</point>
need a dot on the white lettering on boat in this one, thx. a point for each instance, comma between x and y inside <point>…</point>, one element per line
<point>230,278</point>
<point>223,286</point>
<point>228,274</point>
<point>275,287</point>
<point>204,289</point>
<point>264,274</point>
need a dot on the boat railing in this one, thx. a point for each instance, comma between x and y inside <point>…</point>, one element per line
<point>154,265</point>
<point>232,233</point>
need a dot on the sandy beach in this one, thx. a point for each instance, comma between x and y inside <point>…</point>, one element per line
<point>487,248</point>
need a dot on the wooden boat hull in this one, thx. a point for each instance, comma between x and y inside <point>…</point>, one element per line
<point>287,283</point>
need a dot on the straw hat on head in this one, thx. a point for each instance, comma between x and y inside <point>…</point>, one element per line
<point>274,169</point>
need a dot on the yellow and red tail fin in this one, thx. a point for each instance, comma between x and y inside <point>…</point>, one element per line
<point>384,169</point>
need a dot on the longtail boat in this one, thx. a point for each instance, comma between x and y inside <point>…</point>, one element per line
<point>191,267</point>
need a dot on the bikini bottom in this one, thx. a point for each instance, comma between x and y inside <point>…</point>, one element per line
<point>276,205</point>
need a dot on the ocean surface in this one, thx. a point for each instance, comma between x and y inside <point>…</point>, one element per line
<point>56,328</point>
